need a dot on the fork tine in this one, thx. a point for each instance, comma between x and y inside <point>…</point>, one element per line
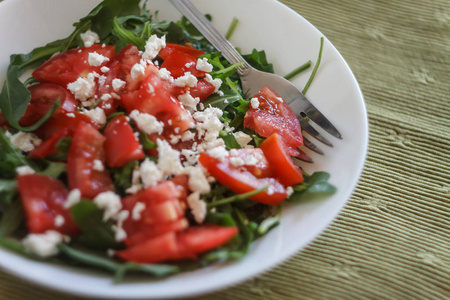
<point>317,117</point>
<point>308,144</point>
<point>313,132</point>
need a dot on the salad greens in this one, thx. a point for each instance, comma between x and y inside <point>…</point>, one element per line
<point>119,23</point>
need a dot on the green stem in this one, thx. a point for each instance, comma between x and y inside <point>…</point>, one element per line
<point>313,74</point>
<point>231,28</point>
<point>235,198</point>
<point>298,70</point>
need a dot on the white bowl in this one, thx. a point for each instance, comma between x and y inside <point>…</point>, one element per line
<point>289,41</point>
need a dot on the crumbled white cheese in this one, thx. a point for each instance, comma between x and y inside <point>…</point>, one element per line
<point>117,84</point>
<point>104,69</point>
<point>101,80</point>
<point>254,103</point>
<point>186,80</point>
<point>197,206</point>
<point>98,165</point>
<point>250,160</point>
<point>203,65</point>
<point>187,136</point>
<point>135,182</point>
<point>218,152</point>
<point>189,64</point>
<point>73,198</point>
<point>197,180</point>
<point>96,59</point>
<point>137,70</point>
<point>105,97</point>
<point>110,203</point>
<point>237,161</point>
<point>24,170</point>
<point>59,221</point>
<point>71,115</point>
<point>190,156</point>
<point>188,101</point>
<point>289,191</point>
<point>43,244</point>
<point>242,138</point>
<point>149,172</point>
<point>147,123</point>
<point>137,211</point>
<point>24,141</point>
<point>107,106</point>
<point>90,38</point>
<point>208,124</point>
<point>84,87</point>
<point>119,232</point>
<point>97,115</point>
<point>164,74</point>
<point>168,159</point>
<point>215,82</point>
<point>153,45</point>
<point>174,139</point>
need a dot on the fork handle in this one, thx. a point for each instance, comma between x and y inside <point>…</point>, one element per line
<point>190,11</point>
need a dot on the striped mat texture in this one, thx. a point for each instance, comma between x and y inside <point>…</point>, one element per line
<point>392,240</point>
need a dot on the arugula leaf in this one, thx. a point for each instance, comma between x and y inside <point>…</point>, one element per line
<point>229,139</point>
<point>156,270</point>
<point>122,176</point>
<point>11,219</point>
<point>258,60</point>
<point>145,141</point>
<point>95,233</point>
<point>315,185</point>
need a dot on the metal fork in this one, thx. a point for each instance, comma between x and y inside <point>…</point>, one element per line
<point>253,80</point>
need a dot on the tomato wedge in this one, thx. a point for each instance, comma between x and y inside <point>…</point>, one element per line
<point>178,63</point>
<point>48,146</point>
<point>181,245</point>
<point>170,47</point>
<point>86,148</point>
<point>43,200</point>
<point>67,66</point>
<point>60,121</point>
<point>202,90</point>
<point>286,171</point>
<point>121,145</point>
<point>274,116</point>
<point>43,96</point>
<point>242,181</point>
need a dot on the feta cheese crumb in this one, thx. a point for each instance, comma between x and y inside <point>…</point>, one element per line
<point>97,115</point>
<point>197,206</point>
<point>242,138</point>
<point>24,170</point>
<point>187,136</point>
<point>147,123</point>
<point>168,159</point>
<point>198,183</point>
<point>149,173</point>
<point>254,103</point>
<point>43,244</point>
<point>137,210</point>
<point>137,70</point>
<point>59,221</point>
<point>135,182</point>
<point>73,198</point>
<point>188,101</point>
<point>203,65</point>
<point>105,97</point>
<point>215,82</point>
<point>110,203</point>
<point>84,87</point>
<point>71,115</point>
<point>98,165</point>
<point>104,69</point>
<point>24,141</point>
<point>90,38</point>
<point>186,80</point>
<point>289,191</point>
<point>237,161</point>
<point>119,232</point>
<point>96,59</point>
<point>164,74</point>
<point>218,152</point>
<point>117,84</point>
<point>190,64</point>
<point>153,45</point>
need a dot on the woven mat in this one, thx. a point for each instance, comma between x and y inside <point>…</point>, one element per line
<point>392,240</point>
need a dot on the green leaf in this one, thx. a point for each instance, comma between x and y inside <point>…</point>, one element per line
<point>122,176</point>
<point>258,60</point>
<point>229,139</point>
<point>157,270</point>
<point>127,36</point>
<point>89,258</point>
<point>316,185</point>
<point>145,141</point>
<point>54,169</point>
<point>11,219</point>
<point>95,233</point>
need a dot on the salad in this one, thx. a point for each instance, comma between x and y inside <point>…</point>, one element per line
<point>132,148</point>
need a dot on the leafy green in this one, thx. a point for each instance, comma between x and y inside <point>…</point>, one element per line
<point>95,233</point>
<point>316,67</point>
<point>11,219</point>
<point>229,139</point>
<point>145,141</point>
<point>258,60</point>
<point>298,70</point>
<point>315,185</point>
<point>122,176</point>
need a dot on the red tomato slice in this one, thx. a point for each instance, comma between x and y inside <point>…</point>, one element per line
<point>43,96</point>
<point>87,146</point>
<point>181,245</point>
<point>43,200</point>
<point>48,146</point>
<point>242,181</point>
<point>262,168</point>
<point>274,116</point>
<point>67,66</point>
<point>179,63</point>
<point>60,121</point>
<point>162,212</point>
<point>203,90</point>
<point>286,171</point>
<point>121,145</point>
<point>154,99</point>
<point>170,47</point>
